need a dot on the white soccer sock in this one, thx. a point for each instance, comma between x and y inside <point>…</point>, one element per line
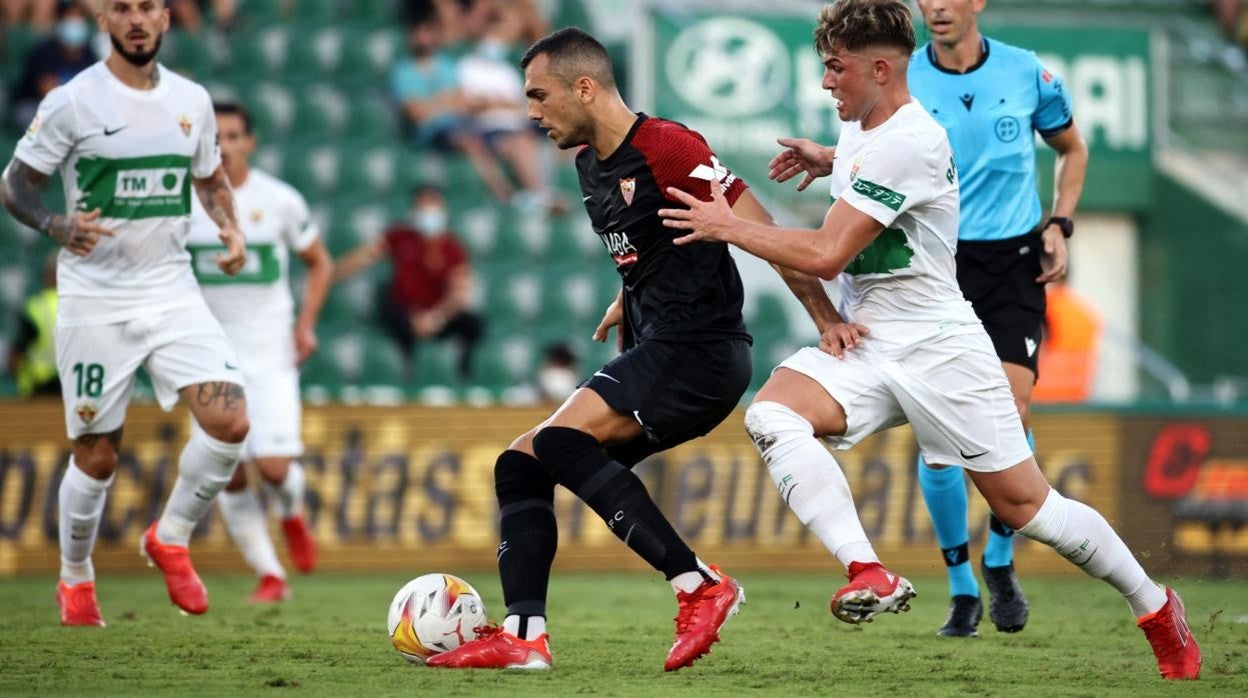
<point>689,582</point>
<point>1080,534</point>
<point>290,492</point>
<point>82,505</point>
<point>203,470</point>
<point>244,519</point>
<point>537,626</point>
<point>809,479</point>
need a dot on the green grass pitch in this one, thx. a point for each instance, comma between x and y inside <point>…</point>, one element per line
<point>610,634</point>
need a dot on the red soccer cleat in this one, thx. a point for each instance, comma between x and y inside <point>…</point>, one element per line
<point>272,589</point>
<point>1178,655</point>
<point>78,604</point>
<point>299,542</point>
<point>701,616</point>
<point>871,590</point>
<point>186,590</point>
<point>494,648</point>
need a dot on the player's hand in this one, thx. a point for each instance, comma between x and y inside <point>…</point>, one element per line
<point>235,250</point>
<point>801,155</point>
<point>306,343</point>
<point>707,220</point>
<point>614,317</point>
<point>841,337</point>
<point>1053,261</point>
<point>427,323</point>
<point>78,233</point>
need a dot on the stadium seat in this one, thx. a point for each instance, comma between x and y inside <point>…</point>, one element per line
<point>371,118</point>
<point>770,316</point>
<point>370,53</point>
<point>320,12</point>
<point>259,13</point>
<point>435,364</point>
<point>383,362</point>
<point>313,51</point>
<point>376,11</point>
<point>320,113</point>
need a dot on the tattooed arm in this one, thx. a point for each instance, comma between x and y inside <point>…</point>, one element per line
<point>218,200</point>
<point>21,192</point>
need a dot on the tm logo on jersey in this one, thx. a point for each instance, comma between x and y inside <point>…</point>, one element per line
<point>622,251</point>
<point>144,187</point>
<point>714,171</point>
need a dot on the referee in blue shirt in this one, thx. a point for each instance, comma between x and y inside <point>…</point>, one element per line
<point>990,97</point>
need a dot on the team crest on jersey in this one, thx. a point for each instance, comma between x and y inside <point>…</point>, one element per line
<point>86,411</point>
<point>256,215</point>
<point>184,121</point>
<point>628,187</point>
<point>853,171</point>
<point>34,127</point>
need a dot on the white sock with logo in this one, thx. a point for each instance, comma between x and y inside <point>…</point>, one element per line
<point>688,582</point>
<point>1080,534</point>
<point>536,626</point>
<point>290,493</point>
<point>81,499</point>
<point>809,479</point>
<point>203,470</point>
<point>245,520</point>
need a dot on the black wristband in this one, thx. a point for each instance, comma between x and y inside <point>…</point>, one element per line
<point>1067,225</point>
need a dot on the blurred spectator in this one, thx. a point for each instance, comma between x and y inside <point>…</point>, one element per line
<point>32,355</point>
<point>426,85</point>
<point>557,377</point>
<point>465,19</point>
<point>1072,342</point>
<point>1232,16</point>
<point>431,280</point>
<point>494,90</point>
<point>36,13</point>
<point>189,14</point>
<point>53,61</point>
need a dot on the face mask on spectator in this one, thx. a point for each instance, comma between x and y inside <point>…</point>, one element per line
<point>493,49</point>
<point>72,33</point>
<point>430,220</point>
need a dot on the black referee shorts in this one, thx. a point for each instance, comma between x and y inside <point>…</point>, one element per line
<point>677,392</point>
<point>998,277</point>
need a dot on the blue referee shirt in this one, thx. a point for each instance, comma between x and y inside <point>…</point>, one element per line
<point>990,112</point>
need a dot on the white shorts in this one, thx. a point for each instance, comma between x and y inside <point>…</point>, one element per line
<point>271,381</point>
<point>97,363</point>
<point>952,391</point>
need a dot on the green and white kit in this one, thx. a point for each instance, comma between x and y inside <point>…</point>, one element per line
<point>133,300</point>
<point>927,359</point>
<point>255,307</point>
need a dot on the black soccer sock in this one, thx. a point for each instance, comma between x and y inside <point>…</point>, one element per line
<point>528,533</point>
<point>577,461</point>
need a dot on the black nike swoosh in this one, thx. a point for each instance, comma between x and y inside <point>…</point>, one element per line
<point>108,132</point>
<point>970,455</point>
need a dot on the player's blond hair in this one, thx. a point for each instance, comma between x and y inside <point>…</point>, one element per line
<point>851,25</point>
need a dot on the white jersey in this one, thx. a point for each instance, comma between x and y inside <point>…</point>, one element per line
<point>130,153</point>
<point>904,286</point>
<point>275,220</point>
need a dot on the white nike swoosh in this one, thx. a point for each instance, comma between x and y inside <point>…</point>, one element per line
<point>600,373</point>
<point>586,198</point>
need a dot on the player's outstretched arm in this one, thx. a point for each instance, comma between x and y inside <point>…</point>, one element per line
<point>218,199</point>
<point>801,155</point>
<point>21,192</point>
<point>824,253</point>
<point>1069,171</point>
<point>836,336</point>
<point>316,288</point>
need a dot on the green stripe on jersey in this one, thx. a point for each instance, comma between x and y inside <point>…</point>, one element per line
<point>153,186</point>
<point>887,253</point>
<point>879,193</point>
<point>261,267</point>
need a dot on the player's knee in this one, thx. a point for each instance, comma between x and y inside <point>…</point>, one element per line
<point>273,470</point>
<point>519,477</point>
<point>99,463</point>
<point>773,427</point>
<point>231,428</point>
<point>556,447</point>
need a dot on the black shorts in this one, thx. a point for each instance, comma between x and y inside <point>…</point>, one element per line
<point>998,277</point>
<point>677,392</point>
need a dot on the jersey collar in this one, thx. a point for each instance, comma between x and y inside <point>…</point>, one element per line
<point>983,58</point>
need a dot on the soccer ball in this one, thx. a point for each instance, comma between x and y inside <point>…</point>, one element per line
<point>433,613</point>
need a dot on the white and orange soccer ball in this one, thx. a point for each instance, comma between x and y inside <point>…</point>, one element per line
<point>434,613</point>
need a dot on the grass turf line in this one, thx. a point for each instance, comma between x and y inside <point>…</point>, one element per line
<point>610,634</point>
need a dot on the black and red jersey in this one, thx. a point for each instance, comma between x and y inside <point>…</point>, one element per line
<point>680,293</point>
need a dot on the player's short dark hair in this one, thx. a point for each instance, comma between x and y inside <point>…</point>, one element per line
<point>856,24</point>
<point>235,109</point>
<point>573,53</point>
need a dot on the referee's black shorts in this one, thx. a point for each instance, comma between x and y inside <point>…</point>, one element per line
<point>998,277</point>
<point>676,391</point>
